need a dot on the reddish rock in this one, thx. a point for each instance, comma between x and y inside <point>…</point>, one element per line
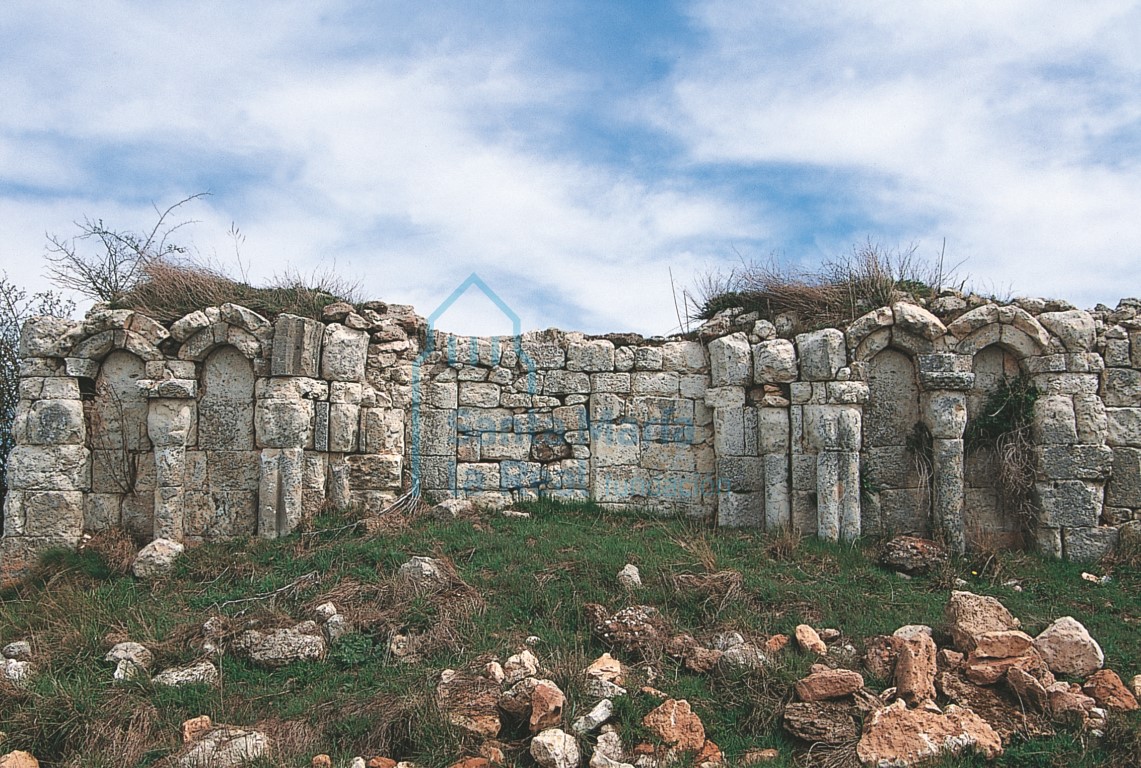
<point>19,759</point>
<point>880,655</point>
<point>702,660</point>
<point>472,762</point>
<point>760,756</point>
<point>195,727</point>
<point>709,756</point>
<point>776,644</point>
<point>915,670</point>
<point>607,668</point>
<point>1108,690</point>
<point>1028,689</point>
<point>381,762</point>
<point>679,645</point>
<point>809,640</point>
<point>968,615</point>
<point>1068,706</point>
<point>948,659</point>
<point>990,671</point>
<point>995,704</point>
<point>321,761</point>
<point>675,723</point>
<point>1004,644</point>
<point>469,702</point>
<point>547,703</point>
<point>829,684</point>
<point>902,737</point>
<point>492,752</point>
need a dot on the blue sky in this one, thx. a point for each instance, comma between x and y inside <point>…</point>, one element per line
<point>573,154</point>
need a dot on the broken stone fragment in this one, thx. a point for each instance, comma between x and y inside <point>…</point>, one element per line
<point>829,684</point>
<point>1106,688</point>
<point>823,722</point>
<point>156,558</point>
<point>629,577</point>
<point>199,673</point>
<point>226,748</point>
<point>554,748</point>
<point>809,640</point>
<point>900,737</point>
<point>675,724</point>
<point>519,666</point>
<point>968,615</point>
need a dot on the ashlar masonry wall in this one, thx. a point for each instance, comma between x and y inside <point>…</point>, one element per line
<point>225,424</point>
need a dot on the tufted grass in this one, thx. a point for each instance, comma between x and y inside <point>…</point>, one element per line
<point>513,578</point>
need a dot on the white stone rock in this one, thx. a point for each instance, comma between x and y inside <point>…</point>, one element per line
<point>280,647</point>
<point>604,689</point>
<point>17,672</point>
<point>422,572</point>
<point>599,714</point>
<point>336,627</point>
<point>135,653</point>
<point>629,577</point>
<point>226,748</point>
<point>520,666</point>
<point>156,559</point>
<point>1068,649</point>
<point>729,361</point>
<point>821,354</point>
<point>20,650</point>
<point>198,673</point>
<point>774,361</point>
<point>554,748</point>
<point>324,612</point>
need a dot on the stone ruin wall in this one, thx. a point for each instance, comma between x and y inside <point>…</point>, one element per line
<point>226,424</point>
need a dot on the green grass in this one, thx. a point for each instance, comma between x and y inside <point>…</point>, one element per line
<point>526,577</point>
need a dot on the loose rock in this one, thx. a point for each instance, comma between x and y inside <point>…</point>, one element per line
<point>912,555</point>
<point>554,748</point>
<point>226,748</point>
<point>675,723</point>
<point>156,559</point>
<point>968,615</point>
<point>199,673</point>
<point>629,577</point>
<point>823,722</point>
<point>900,737</point>
<point>469,702</point>
<point>1106,688</point>
<point>915,670</point>
<point>829,684</point>
<point>809,640</point>
<point>19,759</point>
<point>519,666</point>
<point>1068,649</point>
<point>280,647</point>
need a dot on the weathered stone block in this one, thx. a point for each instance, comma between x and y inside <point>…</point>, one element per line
<point>100,511</point>
<point>740,474</point>
<point>442,394</point>
<point>1124,425</point>
<point>437,431</point>
<point>821,354</point>
<point>477,477</point>
<point>1074,327</point>
<point>1075,462</point>
<point>740,510</point>
<point>729,431</point>
<point>777,492</point>
<point>560,382</point>
<point>374,472</point>
<point>1090,419</point>
<point>496,446</point>
<point>663,383</point>
<point>343,353</point>
<point>436,472</point>
<point>725,397</point>
<point>514,475</point>
<point>481,420</point>
<point>1122,388</point>
<point>1124,486</point>
<point>772,430</point>
<point>543,355</point>
<point>344,427</point>
<point>567,474</point>
<point>832,427</point>
<point>593,356</point>
<point>297,346</point>
<point>647,359</point>
<point>677,456</point>
<point>1068,503</point>
<point>730,361</point>
<point>683,356</point>
<point>917,320</point>
<point>1054,420</point>
<point>40,336</point>
<point>51,422</point>
<point>1088,544</point>
<point>614,444</point>
<point>171,422</point>
<point>775,361</point>
<point>610,382</point>
<point>569,418</point>
<point>284,423</point>
<point>478,394</point>
<point>49,468</point>
<point>944,413</point>
<point>382,430</point>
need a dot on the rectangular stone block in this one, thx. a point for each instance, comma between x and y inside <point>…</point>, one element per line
<point>610,382</point>
<point>1075,462</point>
<point>619,484</point>
<point>772,430</point>
<point>437,432</point>
<point>568,473</point>
<point>615,444</point>
<point>740,474</point>
<point>594,355</point>
<point>606,407</point>
<point>671,456</point>
<point>1068,503</point>
<point>1122,388</point>
<point>1124,486</point>
<point>515,475</point>
<point>566,383</point>
<point>693,385</point>
<point>729,431</point>
<point>479,394</point>
<point>740,510</point>
<point>437,473</point>
<point>481,420</point>
<point>344,427</point>
<point>442,394</point>
<point>232,470</point>
<point>49,468</point>
<point>477,477</point>
<point>496,446</point>
<point>374,472</point>
<point>778,510</point>
<point>1088,544</point>
<point>570,417</point>
<point>296,346</point>
<point>100,511</point>
<point>1124,425</point>
<point>663,383</point>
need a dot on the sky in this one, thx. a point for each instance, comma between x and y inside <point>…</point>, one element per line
<point>589,160</point>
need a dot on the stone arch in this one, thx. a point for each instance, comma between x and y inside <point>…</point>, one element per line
<point>900,501</point>
<point>986,523</point>
<point>221,497</point>
<point>122,463</point>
